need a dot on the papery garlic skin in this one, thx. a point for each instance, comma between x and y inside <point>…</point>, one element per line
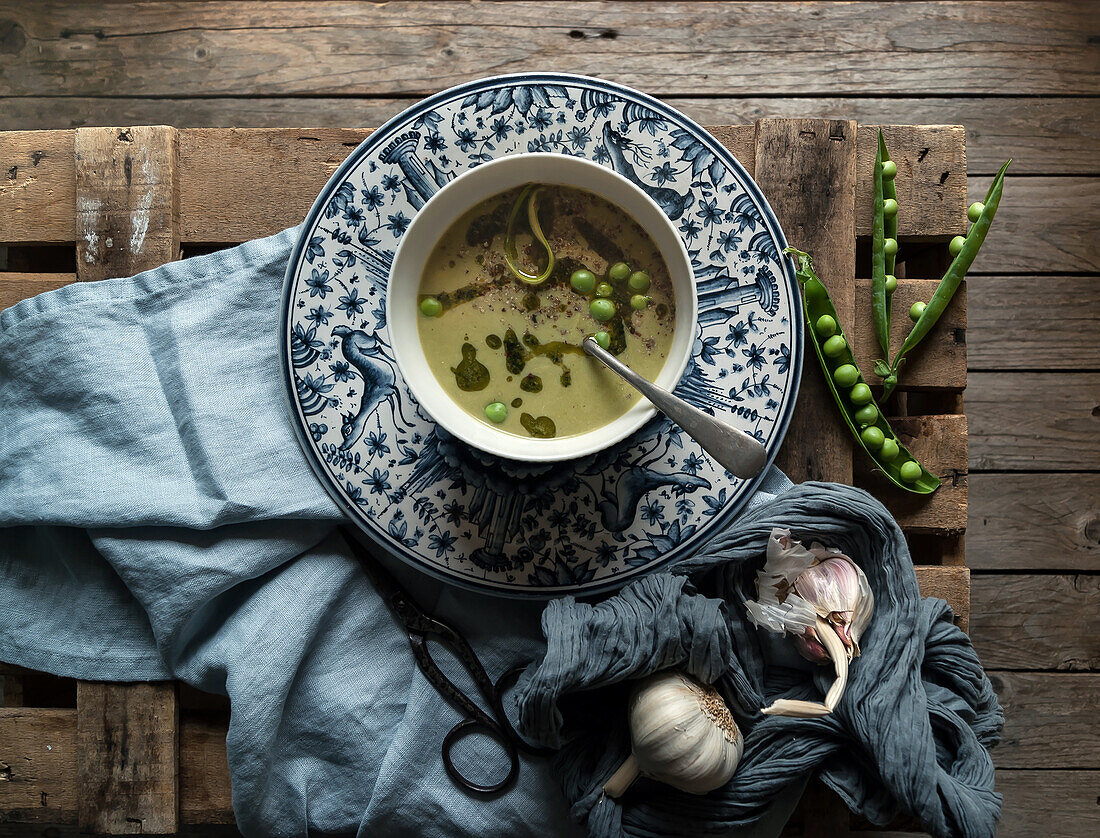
<point>682,734</point>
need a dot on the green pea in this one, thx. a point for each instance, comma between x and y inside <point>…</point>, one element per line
<point>910,471</point>
<point>496,412</point>
<point>845,376</point>
<point>834,346</point>
<point>825,326</point>
<point>866,414</point>
<point>890,247</point>
<point>956,245</point>
<point>815,290</point>
<point>889,207</point>
<point>604,289</point>
<point>872,437</point>
<point>639,301</point>
<point>583,281</point>
<point>917,310</point>
<point>888,451</point>
<point>602,309</point>
<point>431,307</point>
<point>619,271</point>
<point>603,339</point>
<point>891,283</point>
<point>860,394</point>
<point>889,169</point>
<point>639,281</point>
<point>975,210</point>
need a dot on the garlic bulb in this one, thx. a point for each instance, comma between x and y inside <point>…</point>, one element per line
<point>823,598</point>
<point>681,733</point>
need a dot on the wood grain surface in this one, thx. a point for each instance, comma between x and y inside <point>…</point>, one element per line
<point>822,222</point>
<point>1057,331</point>
<point>1034,522</point>
<point>1034,421</point>
<point>1029,621</point>
<point>127,758</point>
<point>127,201</point>
<point>310,49</point>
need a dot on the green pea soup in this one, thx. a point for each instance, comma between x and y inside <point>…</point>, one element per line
<point>495,339</point>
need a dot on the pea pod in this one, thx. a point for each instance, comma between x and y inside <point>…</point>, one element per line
<point>856,404</point>
<point>944,292</point>
<point>882,263</point>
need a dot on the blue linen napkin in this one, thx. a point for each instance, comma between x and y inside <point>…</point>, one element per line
<point>159,520</point>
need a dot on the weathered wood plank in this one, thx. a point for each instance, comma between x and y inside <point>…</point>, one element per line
<point>1048,136</point>
<point>127,757</point>
<point>218,166</point>
<point>127,200</point>
<point>205,793</point>
<point>37,191</point>
<point>1034,421</point>
<point>939,443</point>
<point>818,213</point>
<point>951,584</point>
<point>18,286</point>
<point>1054,804</point>
<point>1043,225</point>
<point>931,179</point>
<point>235,48</point>
<point>1034,522</point>
<point>38,765</point>
<point>1062,330</point>
<point>293,166</point>
<point>1036,622</point>
<point>1050,719</point>
<point>940,362</point>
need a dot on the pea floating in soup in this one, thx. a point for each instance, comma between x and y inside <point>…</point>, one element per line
<point>516,284</point>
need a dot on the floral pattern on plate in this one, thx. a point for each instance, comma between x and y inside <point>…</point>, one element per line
<point>526,528</point>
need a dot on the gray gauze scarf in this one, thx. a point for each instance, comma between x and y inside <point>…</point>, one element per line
<point>911,734</point>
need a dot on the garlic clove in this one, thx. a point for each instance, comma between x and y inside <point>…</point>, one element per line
<point>809,709</point>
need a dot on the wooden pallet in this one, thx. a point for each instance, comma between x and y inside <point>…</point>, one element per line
<point>102,202</point>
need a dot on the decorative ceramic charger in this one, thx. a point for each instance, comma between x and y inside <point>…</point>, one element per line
<point>499,525</point>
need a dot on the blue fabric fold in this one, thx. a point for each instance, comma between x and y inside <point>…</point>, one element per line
<point>158,520</point>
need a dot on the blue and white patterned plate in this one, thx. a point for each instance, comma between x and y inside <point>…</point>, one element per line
<point>498,525</point>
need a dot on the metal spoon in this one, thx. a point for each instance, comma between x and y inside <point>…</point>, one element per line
<point>739,453</point>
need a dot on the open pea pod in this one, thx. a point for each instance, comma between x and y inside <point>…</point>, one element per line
<point>837,354</point>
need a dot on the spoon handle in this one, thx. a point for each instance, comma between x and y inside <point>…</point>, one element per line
<point>740,454</point>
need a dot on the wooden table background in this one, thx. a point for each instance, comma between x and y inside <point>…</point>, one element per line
<point>1024,78</point>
